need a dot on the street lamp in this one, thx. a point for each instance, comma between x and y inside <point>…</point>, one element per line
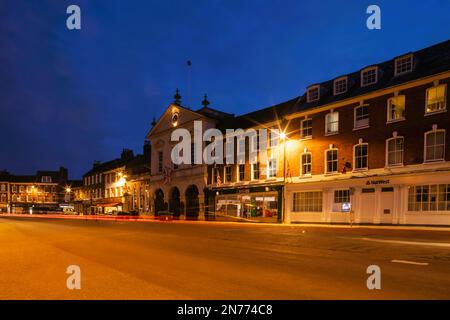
<point>283,138</point>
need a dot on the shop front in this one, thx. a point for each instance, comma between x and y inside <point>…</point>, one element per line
<point>252,204</point>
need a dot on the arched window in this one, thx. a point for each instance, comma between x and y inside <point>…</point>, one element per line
<point>434,149</point>
<point>394,151</point>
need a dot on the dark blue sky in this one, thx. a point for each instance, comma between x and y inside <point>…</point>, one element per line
<point>71,97</point>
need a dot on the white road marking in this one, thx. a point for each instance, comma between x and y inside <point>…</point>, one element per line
<point>417,243</point>
<point>411,262</point>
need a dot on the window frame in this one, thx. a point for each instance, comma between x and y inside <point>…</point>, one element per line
<point>389,106</point>
<point>302,164</point>
<point>406,56</point>
<point>444,98</point>
<point>366,70</point>
<point>253,171</point>
<point>328,124</point>
<point>302,128</point>
<point>364,125</point>
<point>335,81</point>
<point>387,152</point>
<point>326,161</point>
<point>309,90</point>
<point>354,157</point>
<point>269,169</point>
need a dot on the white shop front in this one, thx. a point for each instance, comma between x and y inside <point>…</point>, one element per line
<point>395,199</point>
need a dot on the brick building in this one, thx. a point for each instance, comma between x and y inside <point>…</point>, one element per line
<point>366,147</point>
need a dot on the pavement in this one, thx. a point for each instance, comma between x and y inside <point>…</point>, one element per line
<point>192,260</point>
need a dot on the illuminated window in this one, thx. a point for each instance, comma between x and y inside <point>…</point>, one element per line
<point>331,161</point>
<point>306,129</point>
<point>403,64</point>
<point>340,85</point>
<point>272,168</point>
<point>369,76</point>
<point>306,163</point>
<point>434,145</point>
<point>362,116</point>
<point>436,99</point>
<point>394,151</point>
<point>396,108</point>
<point>310,201</point>
<point>313,94</point>
<point>332,123</point>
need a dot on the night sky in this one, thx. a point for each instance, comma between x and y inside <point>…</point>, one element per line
<point>71,97</point>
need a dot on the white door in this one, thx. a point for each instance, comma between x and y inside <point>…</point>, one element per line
<point>387,205</point>
<point>368,205</point>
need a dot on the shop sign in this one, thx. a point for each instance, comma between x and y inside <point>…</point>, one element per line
<point>377,182</point>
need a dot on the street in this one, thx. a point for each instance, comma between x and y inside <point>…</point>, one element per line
<point>198,260</point>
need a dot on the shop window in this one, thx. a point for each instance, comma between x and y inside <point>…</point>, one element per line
<point>310,201</point>
<point>435,197</point>
<point>396,108</point>
<point>434,145</point>
<point>394,151</point>
<point>436,99</point>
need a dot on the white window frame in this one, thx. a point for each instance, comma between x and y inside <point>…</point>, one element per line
<point>302,164</point>
<point>366,70</point>
<point>403,58</point>
<point>326,161</point>
<point>269,169</point>
<point>335,82</point>
<point>302,128</point>
<point>253,171</point>
<point>444,109</point>
<point>273,137</point>
<point>307,201</point>
<point>308,93</point>
<point>354,157</point>
<point>225,179</point>
<point>363,123</point>
<point>434,131</point>
<point>388,165</point>
<point>389,108</point>
<point>328,123</point>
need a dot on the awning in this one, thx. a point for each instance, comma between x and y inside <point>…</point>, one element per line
<point>115,204</point>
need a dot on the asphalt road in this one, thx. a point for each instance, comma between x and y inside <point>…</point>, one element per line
<point>167,260</point>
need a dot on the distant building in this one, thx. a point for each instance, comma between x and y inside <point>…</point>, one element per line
<point>42,192</point>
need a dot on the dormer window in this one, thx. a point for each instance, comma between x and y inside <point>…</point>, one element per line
<point>313,94</point>
<point>403,64</point>
<point>340,85</point>
<point>369,76</point>
<point>46,179</point>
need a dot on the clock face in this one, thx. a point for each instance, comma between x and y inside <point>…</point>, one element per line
<point>175,117</point>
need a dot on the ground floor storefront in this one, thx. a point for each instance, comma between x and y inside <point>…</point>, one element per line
<point>248,203</point>
<point>408,199</point>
